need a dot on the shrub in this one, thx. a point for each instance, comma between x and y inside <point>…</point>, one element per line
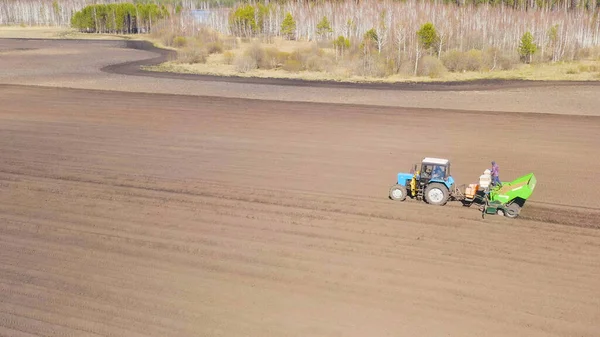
<point>589,53</point>
<point>206,35</point>
<point>457,61</point>
<point>474,60</point>
<point>274,58</point>
<point>292,65</point>
<point>494,59</point>
<point>328,63</point>
<point>372,65</point>
<point>255,51</point>
<point>230,43</point>
<point>282,56</point>
<point>313,58</point>
<point>507,62</point>
<point>214,47</point>
<point>228,57</point>
<point>264,59</point>
<point>315,63</point>
<point>431,66</point>
<point>453,61</point>
<point>269,59</point>
<point>193,55</point>
<point>168,38</point>
<point>594,52</point>
<point>391,66</point>
<point>179,42</point>
<point>295,55</point>
<point>403,64</point>
<point>245,63</point>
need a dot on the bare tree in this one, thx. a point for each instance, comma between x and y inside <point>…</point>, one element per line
<point>417,57</point>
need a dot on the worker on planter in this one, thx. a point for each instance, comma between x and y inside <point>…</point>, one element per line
<point>484,186</point>
<point>495,174</point>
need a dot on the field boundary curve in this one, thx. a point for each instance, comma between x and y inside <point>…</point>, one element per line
<point>134,68</point>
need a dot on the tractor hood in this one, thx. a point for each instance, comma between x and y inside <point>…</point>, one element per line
<point>403,177</point>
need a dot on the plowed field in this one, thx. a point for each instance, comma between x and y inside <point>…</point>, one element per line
<point>143,214</point>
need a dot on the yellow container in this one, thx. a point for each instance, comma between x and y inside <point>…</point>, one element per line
<point>471,190</point>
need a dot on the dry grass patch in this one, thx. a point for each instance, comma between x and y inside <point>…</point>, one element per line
<point>292,70</point>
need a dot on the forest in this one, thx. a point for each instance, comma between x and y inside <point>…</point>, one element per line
<point>376,38</point>
<point>120,18</point>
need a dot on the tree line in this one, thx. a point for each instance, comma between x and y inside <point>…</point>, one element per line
<point>124,18</point>
<point>392,26</point>
<point>514,4</point>
<point>60,12</point>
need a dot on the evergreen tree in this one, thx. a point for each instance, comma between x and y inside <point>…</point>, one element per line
<point>288,26</point>
<point>527,47</point>
<point>428,36</point>
<point>324,28</point>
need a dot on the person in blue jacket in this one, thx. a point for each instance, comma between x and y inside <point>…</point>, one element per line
<point>438,172</point>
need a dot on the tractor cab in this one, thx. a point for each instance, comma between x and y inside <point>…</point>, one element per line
<point>435,169</point>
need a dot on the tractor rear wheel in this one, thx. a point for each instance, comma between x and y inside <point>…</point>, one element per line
<point>512,211</point>
<point>436,194</point>
<point>398,192</point>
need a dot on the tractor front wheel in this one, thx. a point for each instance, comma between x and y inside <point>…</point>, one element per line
<point>398,192</point>
<point>436,194</point>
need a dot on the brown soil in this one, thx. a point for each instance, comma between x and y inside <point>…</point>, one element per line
<point>131,214</point>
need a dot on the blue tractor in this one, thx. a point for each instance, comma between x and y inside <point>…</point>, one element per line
<point>432,183</point>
